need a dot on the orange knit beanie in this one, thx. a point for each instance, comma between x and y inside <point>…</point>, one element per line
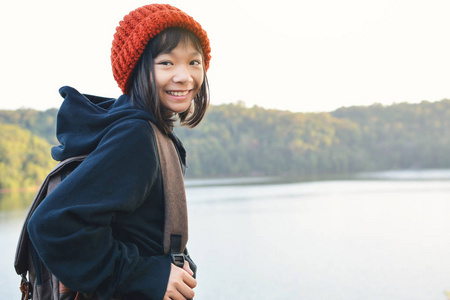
<point>138,27</point>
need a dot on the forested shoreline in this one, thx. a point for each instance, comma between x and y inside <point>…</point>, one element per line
<point>235,140</point>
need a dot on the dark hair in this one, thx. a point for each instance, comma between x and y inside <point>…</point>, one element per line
<point>143,90</point>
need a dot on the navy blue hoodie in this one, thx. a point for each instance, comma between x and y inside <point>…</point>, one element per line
<point>101,229</point>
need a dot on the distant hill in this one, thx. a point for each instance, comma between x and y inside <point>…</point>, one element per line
<point>41,123</point>
<point>24,158</point>
<point>403,136</point>
<point>234,140</point>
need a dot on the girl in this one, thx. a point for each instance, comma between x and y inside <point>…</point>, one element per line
<point>101,231</point>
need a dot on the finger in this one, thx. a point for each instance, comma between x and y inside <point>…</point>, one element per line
<point>186,291</point>
<point>166,297</point>
<point>187,268</point>
<point>174,295</point>
<point>190,281</point>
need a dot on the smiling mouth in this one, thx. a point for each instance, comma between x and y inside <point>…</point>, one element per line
<point>178,93</point>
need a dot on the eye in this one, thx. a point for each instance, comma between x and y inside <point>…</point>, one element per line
<point>165,63</point>
<point>195,62</point>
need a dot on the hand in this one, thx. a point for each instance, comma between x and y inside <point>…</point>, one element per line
<point>181,283</point>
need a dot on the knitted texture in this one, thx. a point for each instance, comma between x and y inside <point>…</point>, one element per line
<point>138,27</point>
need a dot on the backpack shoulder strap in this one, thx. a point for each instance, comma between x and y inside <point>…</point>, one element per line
<point>175,221</point>
<point>21,263</point>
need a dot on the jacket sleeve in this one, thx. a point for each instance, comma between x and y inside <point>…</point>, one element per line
<point>71,229</point>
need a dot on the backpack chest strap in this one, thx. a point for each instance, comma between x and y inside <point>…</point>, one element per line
<point>175,221</point>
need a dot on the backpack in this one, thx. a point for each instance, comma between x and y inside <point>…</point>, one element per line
<point>31,268</point>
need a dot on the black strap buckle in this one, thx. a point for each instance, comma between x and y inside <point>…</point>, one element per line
<point>177,259</point>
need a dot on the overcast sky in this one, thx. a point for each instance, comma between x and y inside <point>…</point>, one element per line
<point>292,55</point>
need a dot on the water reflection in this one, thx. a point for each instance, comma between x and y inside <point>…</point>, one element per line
<point>336,239</point>
<point>16,200</point>
<point>22,200</point>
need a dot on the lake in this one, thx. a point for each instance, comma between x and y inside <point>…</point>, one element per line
<point>372,237</point>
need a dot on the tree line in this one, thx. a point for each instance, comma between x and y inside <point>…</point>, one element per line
<point>239,141</point>
<point>24,158</point>
<point>235,140</point>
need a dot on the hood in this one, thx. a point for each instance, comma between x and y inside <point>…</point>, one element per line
<point>83,120</point>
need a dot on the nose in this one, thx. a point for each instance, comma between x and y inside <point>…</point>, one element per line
<point>182,75</point>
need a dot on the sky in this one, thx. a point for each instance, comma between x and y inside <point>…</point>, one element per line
<point>302,56</point>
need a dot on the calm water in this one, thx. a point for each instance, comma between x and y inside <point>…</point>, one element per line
<point>385,238</point>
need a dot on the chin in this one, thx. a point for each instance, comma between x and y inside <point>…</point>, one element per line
<point>179,110</point>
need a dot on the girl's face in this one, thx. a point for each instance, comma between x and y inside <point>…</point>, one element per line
<point>178,76</point>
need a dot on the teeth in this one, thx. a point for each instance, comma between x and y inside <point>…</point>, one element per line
<point>178,93</point>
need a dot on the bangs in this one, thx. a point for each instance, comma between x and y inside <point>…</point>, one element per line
<point>169,39</point>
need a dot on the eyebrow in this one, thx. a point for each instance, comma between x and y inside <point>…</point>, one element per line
<point>194,53</point>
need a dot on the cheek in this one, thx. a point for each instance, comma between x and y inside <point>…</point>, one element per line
<point>199,80</point>
<point>160,79</point>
